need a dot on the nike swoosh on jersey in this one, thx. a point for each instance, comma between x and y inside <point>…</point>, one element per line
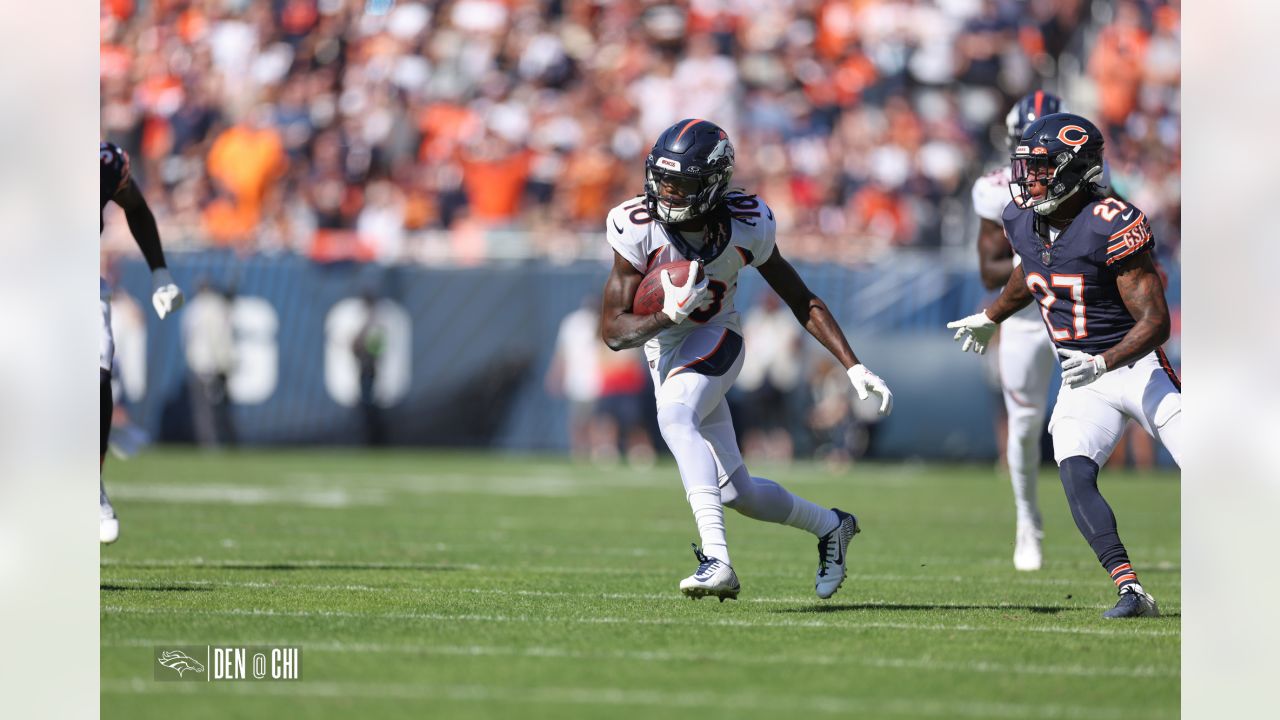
<point>1125,217</point>
<point>617,227</point>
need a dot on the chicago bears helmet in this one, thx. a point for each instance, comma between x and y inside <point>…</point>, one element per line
<point>1055,158</point>
<point>1029,108</point>
<point>688,170</point>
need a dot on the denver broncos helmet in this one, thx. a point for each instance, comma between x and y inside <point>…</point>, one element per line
<point>1055,158</point>
<point>1030,107</point>
<point>688,170</point>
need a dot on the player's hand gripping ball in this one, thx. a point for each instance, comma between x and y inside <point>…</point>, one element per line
<point>650,296</point>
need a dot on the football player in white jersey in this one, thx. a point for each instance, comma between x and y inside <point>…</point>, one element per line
<point>1026,360</point>
<point>694,344</point>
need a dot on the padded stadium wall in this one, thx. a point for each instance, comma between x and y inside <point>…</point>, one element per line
<point>472,347</point>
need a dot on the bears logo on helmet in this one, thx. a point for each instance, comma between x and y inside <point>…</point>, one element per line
<point>1055,158</point>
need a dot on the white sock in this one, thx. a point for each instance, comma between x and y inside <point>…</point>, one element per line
<point>679,425</point>
<point>1022,452</point>
<point>102,494</point>
<point>709,514</point>
<point>812,517</point>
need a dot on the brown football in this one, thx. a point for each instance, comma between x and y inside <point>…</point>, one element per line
<point>649,295</point>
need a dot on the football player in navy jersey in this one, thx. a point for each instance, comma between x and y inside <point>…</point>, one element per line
<point>116,184</point>
<point>1088,260</point>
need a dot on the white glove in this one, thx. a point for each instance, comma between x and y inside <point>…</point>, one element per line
<point>975,330</point>
<point>165,294</point>
<point>1080,368</point>
<point>680,300</point>
<point>866,382</point>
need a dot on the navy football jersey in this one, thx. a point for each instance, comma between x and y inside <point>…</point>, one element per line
<point>115,173</point>
<point>1073,278</point>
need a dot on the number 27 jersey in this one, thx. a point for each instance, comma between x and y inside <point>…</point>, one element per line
<point>1074,277</point>
<point>634,234</point>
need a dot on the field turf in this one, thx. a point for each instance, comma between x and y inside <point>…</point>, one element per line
<point>429,585</point>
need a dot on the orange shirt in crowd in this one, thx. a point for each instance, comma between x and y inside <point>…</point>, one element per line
<point>589,175</point>
<point>246,160</point>
<point>1116,66</point>
<point>494,187</point>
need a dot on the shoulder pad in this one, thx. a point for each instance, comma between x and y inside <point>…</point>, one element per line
<point>1121,227</point>
<point>115,162</point>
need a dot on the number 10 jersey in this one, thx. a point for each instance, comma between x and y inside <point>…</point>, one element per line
<point>646,243</point>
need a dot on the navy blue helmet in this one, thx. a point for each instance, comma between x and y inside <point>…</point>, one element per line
<point>688,170</point>
<point>1030,108</point>
<point>1055,158</point>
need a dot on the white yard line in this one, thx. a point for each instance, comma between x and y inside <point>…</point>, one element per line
<point>785,705</point>
<point>142,584</point>
<point>540,651</point>
<point>854,576</point>
<point>605,620</point>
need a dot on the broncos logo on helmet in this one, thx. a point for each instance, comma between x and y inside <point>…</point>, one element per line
<point>1055,158</point>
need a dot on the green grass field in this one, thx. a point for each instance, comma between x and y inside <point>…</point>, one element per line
<point>464,586</point>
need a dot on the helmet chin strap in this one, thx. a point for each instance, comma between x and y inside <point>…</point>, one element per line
<point>1049,206</point>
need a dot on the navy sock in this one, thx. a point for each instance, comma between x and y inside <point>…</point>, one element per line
<point>1094,518</point>
<point>106,404</point>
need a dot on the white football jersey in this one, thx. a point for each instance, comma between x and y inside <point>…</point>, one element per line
<point>991,194</point>
<point>645,243</point>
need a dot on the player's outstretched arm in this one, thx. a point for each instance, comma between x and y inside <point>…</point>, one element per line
<point>1015,296</point>
<point>1142,292</point>
<point>976,330</point>
<point>619,327</point>
<point>141,223</point>
<point>165,294</point>
<point>817,319</point>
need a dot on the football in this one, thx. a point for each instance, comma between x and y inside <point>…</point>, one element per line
<point>649,295</point>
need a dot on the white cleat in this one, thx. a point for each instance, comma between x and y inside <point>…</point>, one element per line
<point>712,578</point>
<point>1026,549</point>
<point>108,525</point>
<point>831,559</point>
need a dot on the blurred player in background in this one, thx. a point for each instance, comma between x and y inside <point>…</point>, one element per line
<point>1025,354</point>
<point>694,344</point>
<point>1088,259</point>
<point>117,184</point>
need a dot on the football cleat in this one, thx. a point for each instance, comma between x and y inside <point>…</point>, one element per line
<point>108,525</point>
<point>1133,602</point>
<point>713,577</point>
<point>831,549</point>
<point>1026,549</point>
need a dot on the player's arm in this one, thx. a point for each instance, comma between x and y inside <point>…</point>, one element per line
<point>809,309</point>
<point>995,255</point>
<point>977,329</point>
<point>142,224</point>
<point>165,294</point>
<point>619,327</point>
<point>1015,296</point>
<point>812,313</point>
<point>1142,292</point>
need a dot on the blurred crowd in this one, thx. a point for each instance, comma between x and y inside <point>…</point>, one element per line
<point>465,130</point>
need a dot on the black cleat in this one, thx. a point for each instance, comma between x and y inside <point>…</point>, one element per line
<point>1133,602</point>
